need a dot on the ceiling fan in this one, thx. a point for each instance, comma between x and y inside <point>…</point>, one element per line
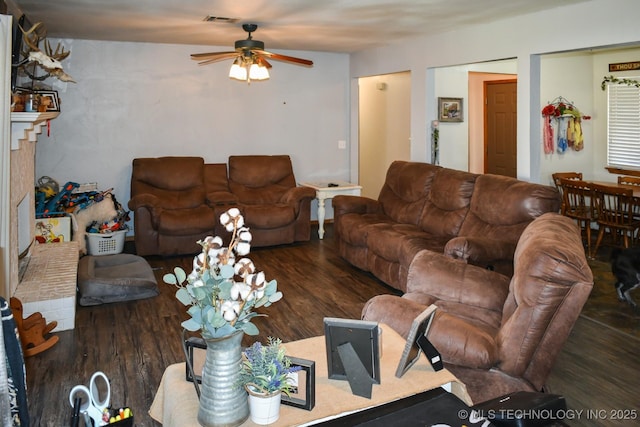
<point>250,58</point>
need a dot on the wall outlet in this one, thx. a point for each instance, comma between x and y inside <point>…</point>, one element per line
<point>342,144</point>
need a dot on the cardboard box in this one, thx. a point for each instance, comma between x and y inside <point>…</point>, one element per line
<point>54,228</point>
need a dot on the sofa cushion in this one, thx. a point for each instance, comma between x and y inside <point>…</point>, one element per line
<point>180,222</point>
<point>177,181</point>
<point>448,202</point>
<point>260,179</point>
<point>505,217</point>
<point>389,240</point>
<point>405,189</point>
<point>354,228</point>
<point>267,216</point>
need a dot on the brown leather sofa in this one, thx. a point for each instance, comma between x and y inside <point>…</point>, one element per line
<point>498,334</point>
<point>177,201</point>
<point>477,218</point>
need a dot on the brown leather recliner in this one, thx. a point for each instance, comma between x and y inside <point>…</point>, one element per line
<point>275,209</point>
<point>173,201</point>
<point>498,335</point>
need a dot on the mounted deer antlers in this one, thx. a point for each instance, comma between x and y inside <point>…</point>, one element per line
<point>49,59</point>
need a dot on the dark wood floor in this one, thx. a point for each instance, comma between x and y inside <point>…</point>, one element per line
<point>598,369</point>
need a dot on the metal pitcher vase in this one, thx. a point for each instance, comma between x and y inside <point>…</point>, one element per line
<point>222,402</point>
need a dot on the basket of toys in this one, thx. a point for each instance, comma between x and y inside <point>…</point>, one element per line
<point>105,243</point>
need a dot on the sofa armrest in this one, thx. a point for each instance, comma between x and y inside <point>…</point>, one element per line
<point>455,281</point>
<point>481,251</point>
<point>344,204</point>
<point>295,195</point>
<point>148,201</point>
<point>217,198</point>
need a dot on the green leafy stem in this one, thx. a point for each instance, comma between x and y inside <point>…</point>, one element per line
<point>613,79</point>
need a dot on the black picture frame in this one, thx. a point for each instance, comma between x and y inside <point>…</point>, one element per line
<point>450,110</point>
<point>196,348</point>
<point>363,337</point>
<point>304,396</point>
<point>51,95</point>
<point>412,350</point>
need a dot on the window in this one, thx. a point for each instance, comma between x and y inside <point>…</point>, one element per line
<point>623,127</point>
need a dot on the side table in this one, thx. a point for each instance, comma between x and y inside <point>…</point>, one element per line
<point>328,190</point>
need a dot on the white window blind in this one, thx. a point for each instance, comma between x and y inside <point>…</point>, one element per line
<point>623,127</point>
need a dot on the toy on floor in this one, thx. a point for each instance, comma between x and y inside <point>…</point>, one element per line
<point>34,331</point>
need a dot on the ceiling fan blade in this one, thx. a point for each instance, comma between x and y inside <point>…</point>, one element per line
<point>211,61</point>
<point>224,55</point>
<point>262,61</point>
<point>285,58</point>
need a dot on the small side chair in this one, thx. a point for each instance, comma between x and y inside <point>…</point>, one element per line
<point>629,180</point>
<point>564,175</point>
<point>616,213</point>
<point>578,203</point>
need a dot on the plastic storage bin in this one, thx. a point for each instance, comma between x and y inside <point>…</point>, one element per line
<point>105,243</point>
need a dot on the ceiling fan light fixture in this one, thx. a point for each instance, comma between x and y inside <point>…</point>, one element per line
<point>247,69</point>
<point>258,72</point>
<point>238,70</point>
<point>250,61</point>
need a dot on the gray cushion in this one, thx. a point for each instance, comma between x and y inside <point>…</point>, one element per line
<point>114,278</point>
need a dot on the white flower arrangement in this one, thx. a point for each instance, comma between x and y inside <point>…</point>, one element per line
<point>222,292</point>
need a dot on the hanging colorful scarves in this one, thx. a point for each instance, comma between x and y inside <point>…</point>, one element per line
<point>578,138</point>
<point>571,135</point>
<point>562,134</point>
<point>547,136</point>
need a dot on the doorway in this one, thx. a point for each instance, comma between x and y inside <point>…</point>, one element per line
<point>384,117</point>
<point>501,127</point>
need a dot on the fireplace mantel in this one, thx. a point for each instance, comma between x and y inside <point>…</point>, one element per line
<point>27,126</point>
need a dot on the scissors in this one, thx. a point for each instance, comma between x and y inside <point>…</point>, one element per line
<point>92,407</point>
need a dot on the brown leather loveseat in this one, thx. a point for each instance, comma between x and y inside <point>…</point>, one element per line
<point>177,201</point>
<point>497,334</point>
<point>477,218</point>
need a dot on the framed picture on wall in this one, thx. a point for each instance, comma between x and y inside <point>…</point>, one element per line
<point>450,109</point>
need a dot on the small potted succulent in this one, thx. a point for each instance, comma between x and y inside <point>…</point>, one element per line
<point>265,374</point>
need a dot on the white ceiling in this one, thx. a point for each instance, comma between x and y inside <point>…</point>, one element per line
<point>314,25</point>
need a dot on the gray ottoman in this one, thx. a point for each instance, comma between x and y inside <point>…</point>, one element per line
<point>114,278</point>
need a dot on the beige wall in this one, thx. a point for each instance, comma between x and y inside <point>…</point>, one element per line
<point>385,126</point>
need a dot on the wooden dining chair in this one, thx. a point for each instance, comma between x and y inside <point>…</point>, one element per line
<point>629,180</point>
<point>632,180</point>
<point>615,207</point>
<point>577,203</point>
<point>564,175</point>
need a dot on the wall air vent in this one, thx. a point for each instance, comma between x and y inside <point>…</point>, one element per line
<point>210,18</point>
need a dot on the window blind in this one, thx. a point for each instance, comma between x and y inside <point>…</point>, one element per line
<point>623,126</point>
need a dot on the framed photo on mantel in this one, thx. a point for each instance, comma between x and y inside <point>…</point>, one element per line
<point>49,99</point>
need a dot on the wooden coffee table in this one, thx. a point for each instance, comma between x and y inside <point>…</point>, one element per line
<point>176,403</point>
